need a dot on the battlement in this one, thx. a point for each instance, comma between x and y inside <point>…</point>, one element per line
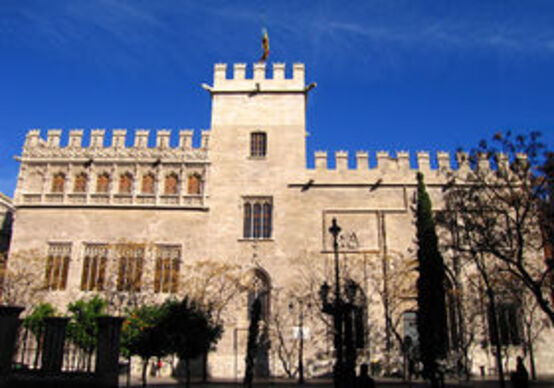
<point>37,147</point>
<point>260,82</point>
<point>386,163</point>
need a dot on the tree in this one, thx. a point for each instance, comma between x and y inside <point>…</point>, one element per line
<point>82,329</point>
<point>190,331</point>
<point>22,278</point>
<point>505,212</point>
<point>398,274</point>
<point>252,344</point>
<point>431,321</point>
<point>143,334</point>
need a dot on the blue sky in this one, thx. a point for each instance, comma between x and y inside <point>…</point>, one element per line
<point>412,75</point>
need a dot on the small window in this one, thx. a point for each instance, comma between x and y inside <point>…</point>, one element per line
<point>126,183</point>
<point>193,184</point>
<point>58,183</point>
<point>80,184</point>
<point>94,268</point>
<point>171,184</point>
<point>129,275</point>
<point>57,266</point>
<point>258,144</point>
<point>103,183</point>
<point>166,277</point>
<point>257,218</point>
<point>148,184</point>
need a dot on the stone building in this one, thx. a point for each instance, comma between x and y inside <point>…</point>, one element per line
<point>6,220</point>
<point>245,196</point>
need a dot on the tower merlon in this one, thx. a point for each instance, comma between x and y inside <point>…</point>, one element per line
<point>403,158</point>
<point>362,160</point>
<point>423,161</point>
<point>383,160</point>
<point>260,81</point>
<point>185,138</point>
<point>341,160</point>
<point>141,138</point>
<point>118,138</point>
<point>53,138</point>
<point>443,160</point>
<point>75,138</point>
<point>205,139</point>
<point>162,138</point>
<point>320,158</point>
<point>483,161</point>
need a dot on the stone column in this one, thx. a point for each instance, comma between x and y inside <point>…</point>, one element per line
<point>53,343</point>
<point>107,351</point>
<point>9,323</point>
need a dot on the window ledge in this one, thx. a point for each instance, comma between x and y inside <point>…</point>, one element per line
<point>257,158</point>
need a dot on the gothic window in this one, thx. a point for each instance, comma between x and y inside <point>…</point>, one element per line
<point>257,218</point>
<point>94,267</point>
<point>125,183</point>
<point>166,276</point>
<point>171,184</point>
<point>57,266</point>
<point>508,324</point>
<point>58,183</point>
<point>148,184</point>
<point>103,183</point>
<point>259,288</point>
<point>80,184</point>
<point>258,144</point>
<point>130,268</point>
<point>193,184</point>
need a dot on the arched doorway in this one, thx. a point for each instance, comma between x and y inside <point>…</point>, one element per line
<point>259,287</point>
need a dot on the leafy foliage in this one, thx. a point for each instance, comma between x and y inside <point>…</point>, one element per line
<point>83,326</point>
<point>35,320</point>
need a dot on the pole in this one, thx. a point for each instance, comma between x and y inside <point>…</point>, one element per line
<point>337,311</point>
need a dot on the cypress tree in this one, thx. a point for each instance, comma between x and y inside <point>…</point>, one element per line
<point>431,319</point>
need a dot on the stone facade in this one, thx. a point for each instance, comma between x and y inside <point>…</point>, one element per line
<point>6,220</point>
<point>101,194</point>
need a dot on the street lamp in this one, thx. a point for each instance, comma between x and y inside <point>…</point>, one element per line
<point>300,303</point>
<point>342,312</point>
<point>335,308</point>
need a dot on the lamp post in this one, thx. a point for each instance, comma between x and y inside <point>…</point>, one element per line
<point>342,311</point>
<point>335,309</point>
<point>300,303</point>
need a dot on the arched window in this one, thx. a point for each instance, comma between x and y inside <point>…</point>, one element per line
<point>247,221</point>
<point>80,184</point>
<point>257,232</point>
<point>266,222</point>
<point>258,144</point>
<point>193,184</point>
<point>58,183</point>
<point>103,183</point>
<point>171,184</point>
<point>125,183</point>
<point>257,219</point>
<point>148,184</point>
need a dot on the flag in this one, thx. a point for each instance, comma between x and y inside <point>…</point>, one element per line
<point>265,45</point>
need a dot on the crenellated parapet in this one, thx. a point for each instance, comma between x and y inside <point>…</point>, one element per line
<point>37,147</point>
<point>116,174</point>
<point>400,162</point>
<point>261,80</point>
